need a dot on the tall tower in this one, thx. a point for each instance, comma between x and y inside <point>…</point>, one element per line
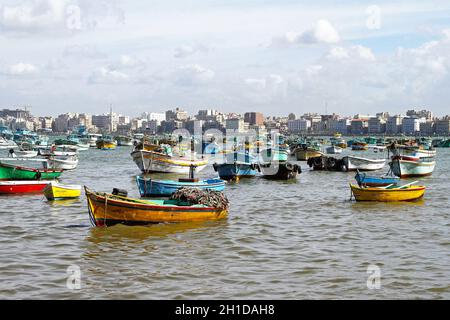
<point>110,119</point>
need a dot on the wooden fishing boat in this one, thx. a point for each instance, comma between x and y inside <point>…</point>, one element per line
<point>363,164</point>
<point>57,191</point>
<point>108,209</point>
<point>333,150</point>
<point>237,165</point>
<point>124,141</point>
<point>359,146</point>
<point>388,194</point>
<point>106,143</point>
<point>403,167</point>
<point>25,153</point>
<point>12,172</point>
<point>14,186</point>
<point>276,154</point>
<point>153,161</point>
<point>371,181</point>
<point>63,162</point>
<point>303,154</point>
<point>150,188</point>
<point>6,144</point>
<point>279,170</point>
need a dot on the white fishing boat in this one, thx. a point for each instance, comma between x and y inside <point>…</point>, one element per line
<point>92,139</point>
<point>82,147</point>
<point>352,163</point>
<point>63,162</point>
<point>333,150</point>
<point>405,167</point>
<point>152,161</point>
<point>7,144</point>
<point>24,153</point>
<point>412,151</point>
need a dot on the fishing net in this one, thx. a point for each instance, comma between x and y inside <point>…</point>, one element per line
<point>210,198</point>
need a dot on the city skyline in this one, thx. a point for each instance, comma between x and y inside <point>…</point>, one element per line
<point>275,57</point>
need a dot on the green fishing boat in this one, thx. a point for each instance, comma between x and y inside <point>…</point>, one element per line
<point>444,144</point>
<point>11,172</point>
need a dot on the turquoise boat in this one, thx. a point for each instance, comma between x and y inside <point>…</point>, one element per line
<point>372,181</point>
<point>237,165</point>
<point>274,154</point>
<point>150,188</point>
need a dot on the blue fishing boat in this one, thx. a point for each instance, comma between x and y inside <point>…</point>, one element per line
<point>373,181</point>
<point>237,164</point>
<point>150,188</point>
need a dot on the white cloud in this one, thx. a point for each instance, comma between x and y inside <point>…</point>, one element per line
<point>84,51</point>
<point>193,74</point>
<point>351,52</point>
<point>186,50</point>
<point>322,32</point>
<point>33,15</point>
<point>105,75</point>
<point>20,69</point>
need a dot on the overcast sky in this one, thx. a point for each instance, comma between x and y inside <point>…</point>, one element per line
<point>274,56</point>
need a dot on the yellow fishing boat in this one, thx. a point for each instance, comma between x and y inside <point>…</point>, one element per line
<point>106,143</point>
<point>107,209</point>
<point>55,191</point>
<point>388,194</point>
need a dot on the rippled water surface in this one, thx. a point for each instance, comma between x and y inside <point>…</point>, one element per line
<point>282,240</point>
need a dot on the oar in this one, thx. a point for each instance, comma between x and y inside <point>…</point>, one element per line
<point>408,184</point>
<point>386,186</point>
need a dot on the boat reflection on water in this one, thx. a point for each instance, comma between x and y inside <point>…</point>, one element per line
<point>117,234</point>
<point>373,207</point>
<point>64,202</point>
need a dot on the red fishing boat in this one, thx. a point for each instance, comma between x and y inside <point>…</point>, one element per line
<point>11,187</point>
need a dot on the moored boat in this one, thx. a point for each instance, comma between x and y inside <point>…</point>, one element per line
<point>12,172</point>
<point>387,194</point>
<point>237,165</point>
<point>150,187</point>
<point>109,209</point>
<point>57,191</point>
<point>363,164</point>
<point>63,162</point>
<point>333,150</point>
<point>305,153</point>
<point>372,181</point>
<point>153,161</point>
<point>106,143</point>
<point>404,168</point>
<point>279,170</point>
<point>20,186</point>
<point>359,146</point>
<point>123,141</point>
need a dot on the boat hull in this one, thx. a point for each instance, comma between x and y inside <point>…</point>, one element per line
<point>387,195</point>
<point>54,191</point>
<point>304,155</point>
<point>230,171</point>
<point>406,168</point>
<point>334,150</point>
<point>279,171</point>
<point>106,145</point>
<point>150,188</point>
<point>363,164</point>
<point>149,161</point>
<point>63,164</point>
<point>10,172</point>
<point>15,187</point>
<point>107,211</point>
